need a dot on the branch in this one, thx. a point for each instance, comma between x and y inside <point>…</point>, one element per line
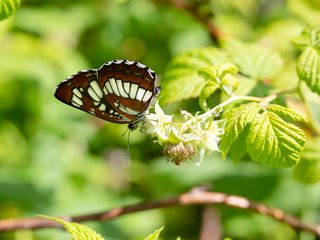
<point>195,10</point>
<point>211,228</point>
<point>196,196</point>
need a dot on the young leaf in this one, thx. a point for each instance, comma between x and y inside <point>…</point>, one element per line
<point>217,77</point>
<point>273,141</point>
<point>77,231</point>
<point>8,7</point>
<point>308,38</point>
<point>155,235</point>
<point>308,68</point>
<point>181,79</point>
<point>237,119</point>
<point>285,112</point>
<point>308,65</point>
<point>254,61</point>
<point>206,92</point>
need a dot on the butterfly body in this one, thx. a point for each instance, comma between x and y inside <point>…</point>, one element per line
<point>120,91</point>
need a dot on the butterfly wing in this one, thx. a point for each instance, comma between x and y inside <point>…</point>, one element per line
<point>81,91</point>
<point>120,91</point>
<point>129,87</point>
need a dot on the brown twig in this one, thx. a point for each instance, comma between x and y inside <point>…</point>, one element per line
<point>196,196</point>
<point>204,17</point>
<point>211,228</point>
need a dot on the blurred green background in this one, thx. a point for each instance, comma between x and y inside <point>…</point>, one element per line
<point>56,160</point>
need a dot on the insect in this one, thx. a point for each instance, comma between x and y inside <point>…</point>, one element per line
<point>120,91</point>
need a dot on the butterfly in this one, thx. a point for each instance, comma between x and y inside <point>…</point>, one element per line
<point>120,91</point>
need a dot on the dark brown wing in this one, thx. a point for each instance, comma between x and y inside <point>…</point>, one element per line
<point>120,91</point>
<point>130,86</point>
<point>75,92</point>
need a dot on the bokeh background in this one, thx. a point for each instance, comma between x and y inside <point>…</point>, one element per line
<point>56,160</point>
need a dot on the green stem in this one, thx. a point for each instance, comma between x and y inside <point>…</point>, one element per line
<point>212,111</point>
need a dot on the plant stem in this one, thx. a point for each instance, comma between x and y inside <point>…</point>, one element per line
<point>212,111</point>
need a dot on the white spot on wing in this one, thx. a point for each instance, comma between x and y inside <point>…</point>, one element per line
<point>121,90</point>
<point>102,107</point>
<point>151,73</point>
<point>128,110</point>
<point>108,86</point>
<point>77,92</point>
<point>116,104</point>
<point>141,65</point>
<point>126,86</point>
<point>114,86</point>
<point>105,90</point>
<point>95,86</point>
<point>147,96</point>
<point>133,91</point>
<point>129,62</point>
<point>93,94</point>
<point>92,111</point>
<point>140,94</point>
<point>75,104</point>
<point>75,99</point>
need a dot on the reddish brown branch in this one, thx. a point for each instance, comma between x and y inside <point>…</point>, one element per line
<point>211,228</point>
<point>194,197</point>
<point>197,12</point>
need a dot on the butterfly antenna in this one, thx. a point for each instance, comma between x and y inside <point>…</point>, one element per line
<point>125,132</point>
<point>128,149</point>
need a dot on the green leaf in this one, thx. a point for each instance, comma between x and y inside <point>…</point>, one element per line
<point>274,142</point>
<point>308,65</point>
<point>8,7</point>
<point>155,235</point>
<point>76,230</point>
<point>229,84</point>
<point>254,61</point>
<point>215,73</point>
<point>269,139</point>
<point>285,112</point>
<point>209,74</point>
<point>236,121</point>
<point>310,37</point>
<point>181,80</point>
<point>206,93</point>
<point>308,169</point>
<point>308,68</point>
<point>217,77</point>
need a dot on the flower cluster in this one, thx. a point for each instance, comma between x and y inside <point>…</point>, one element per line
<point>186,140</point>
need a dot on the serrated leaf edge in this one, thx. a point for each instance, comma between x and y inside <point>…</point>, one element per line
<point>258,139</point>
